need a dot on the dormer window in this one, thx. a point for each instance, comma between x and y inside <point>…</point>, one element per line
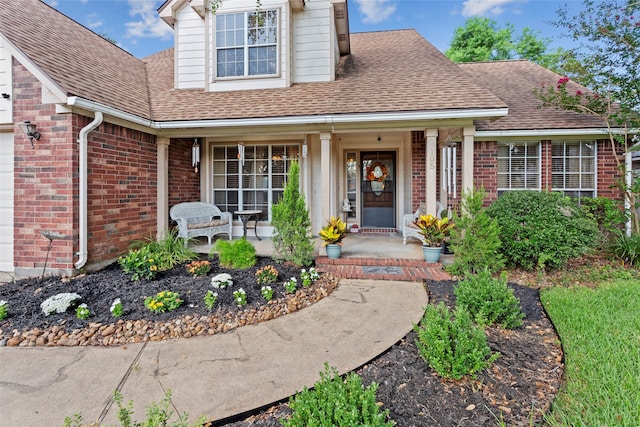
<point>247,44</point>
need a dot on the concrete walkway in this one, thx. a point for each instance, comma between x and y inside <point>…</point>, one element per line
<point>216,376</point>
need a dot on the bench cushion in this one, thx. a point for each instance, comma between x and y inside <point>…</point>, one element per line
<point>214,223</point>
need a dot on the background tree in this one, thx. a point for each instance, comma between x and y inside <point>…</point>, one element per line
<point>480,39</point>
<point>607,61</point>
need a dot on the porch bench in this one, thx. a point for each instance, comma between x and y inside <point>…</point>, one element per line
<point>197,219</point>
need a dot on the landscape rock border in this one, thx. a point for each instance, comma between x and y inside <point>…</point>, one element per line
<point>134,331</point>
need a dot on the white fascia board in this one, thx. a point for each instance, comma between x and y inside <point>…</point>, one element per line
<point>546,133</point>
<point>330,119</point>
<point>54,89</point>
<point>75,101</point>
<point>326,119</point>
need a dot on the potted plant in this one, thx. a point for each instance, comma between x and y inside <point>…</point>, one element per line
<point>434,232</point>
<point>332,235</point>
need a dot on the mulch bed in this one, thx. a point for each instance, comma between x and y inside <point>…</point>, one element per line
<point>517,390</point>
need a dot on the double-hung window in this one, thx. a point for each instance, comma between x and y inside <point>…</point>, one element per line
<point>247,44</point>
<point>518,166</point>
<point>254,182</point>
<point>573,165</point>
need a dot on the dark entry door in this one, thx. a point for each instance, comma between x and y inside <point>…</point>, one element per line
<point>378,189</point>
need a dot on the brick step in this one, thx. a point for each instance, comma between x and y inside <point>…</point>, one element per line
<point>408,270</point>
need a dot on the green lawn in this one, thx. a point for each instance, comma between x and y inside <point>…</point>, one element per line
<point>600,332</point>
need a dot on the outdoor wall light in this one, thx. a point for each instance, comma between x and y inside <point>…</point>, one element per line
<point>30,130</point>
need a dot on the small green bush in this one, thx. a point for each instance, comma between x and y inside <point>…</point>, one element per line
<point>475,240</point>
<point>145,260</point>
<point>140,264</point>
<point>236,253</point>
<point>541,230</point>
<point>334,402</point>
<point>489,301</point>
<point>451,344</point>
<point>626,248</point>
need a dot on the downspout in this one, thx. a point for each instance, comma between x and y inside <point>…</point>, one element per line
<point>83,191</point>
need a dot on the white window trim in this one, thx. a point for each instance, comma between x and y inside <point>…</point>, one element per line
<point>564,190</point>
<point>214,56</point>
<point>539,169</point>
<point>240,189</point>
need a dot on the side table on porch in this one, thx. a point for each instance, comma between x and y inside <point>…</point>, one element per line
<point>245,216</point>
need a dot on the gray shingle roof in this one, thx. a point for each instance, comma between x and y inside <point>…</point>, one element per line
<point>514,82</point>
<point>390,71</point>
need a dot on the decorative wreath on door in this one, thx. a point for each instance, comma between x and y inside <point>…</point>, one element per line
<point>377,172</point>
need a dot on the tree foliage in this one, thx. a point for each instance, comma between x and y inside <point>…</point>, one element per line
<point>480,39</point>
<point>606,61</point>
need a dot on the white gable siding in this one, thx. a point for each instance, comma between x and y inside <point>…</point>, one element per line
<point>190,49</point>
<point>313,43</point>
<point>283,79</point>
<point>6,203</point>
<point>6,105</point>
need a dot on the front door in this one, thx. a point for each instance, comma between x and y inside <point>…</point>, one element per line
<point>378,189</point>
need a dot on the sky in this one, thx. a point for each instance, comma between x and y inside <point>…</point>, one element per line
<point>135,26</point>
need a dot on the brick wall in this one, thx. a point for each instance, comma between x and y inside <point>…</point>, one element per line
<point>608,172</point>
<point>184,182</point>
<point>485,169</point>
<point>122,188</point>
<point>122,184</point>
<point>45,180</point>
<point>418,171</point>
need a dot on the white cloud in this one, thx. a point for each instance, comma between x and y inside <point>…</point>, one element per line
<point>53,3</point>
<point>375,11</point>
<point>146,23</point>
<point>93,21</point>
<point>485,7</point>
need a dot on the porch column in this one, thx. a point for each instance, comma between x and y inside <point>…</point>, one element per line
<point>431,168</point>
<point>162,168</point>
<point>325,175</point>
<point>467,157</point>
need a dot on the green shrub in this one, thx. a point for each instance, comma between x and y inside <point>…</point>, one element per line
<point>626,248</point>
<point>334,402</point>
<point>171,251</point>
<point>291,223</point>
<point>489,300</point>
<point>145,260</point>
<point>236,253</point>
<point>140,263</point>
<point>475,240</point>
<point>541,229</point>
<point>606,213</point>
<point>452,345</point>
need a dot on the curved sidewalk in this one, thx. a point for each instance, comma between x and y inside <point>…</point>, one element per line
<point>216,376</point>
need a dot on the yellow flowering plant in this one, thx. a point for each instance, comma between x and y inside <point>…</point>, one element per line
<point>163,301</point>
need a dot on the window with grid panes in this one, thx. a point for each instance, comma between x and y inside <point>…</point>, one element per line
<point>247,44</point>
<point>257,184</point>
<point>518,166</point>
<point>573,168</point>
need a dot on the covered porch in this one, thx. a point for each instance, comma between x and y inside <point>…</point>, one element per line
<point>362,257</point>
